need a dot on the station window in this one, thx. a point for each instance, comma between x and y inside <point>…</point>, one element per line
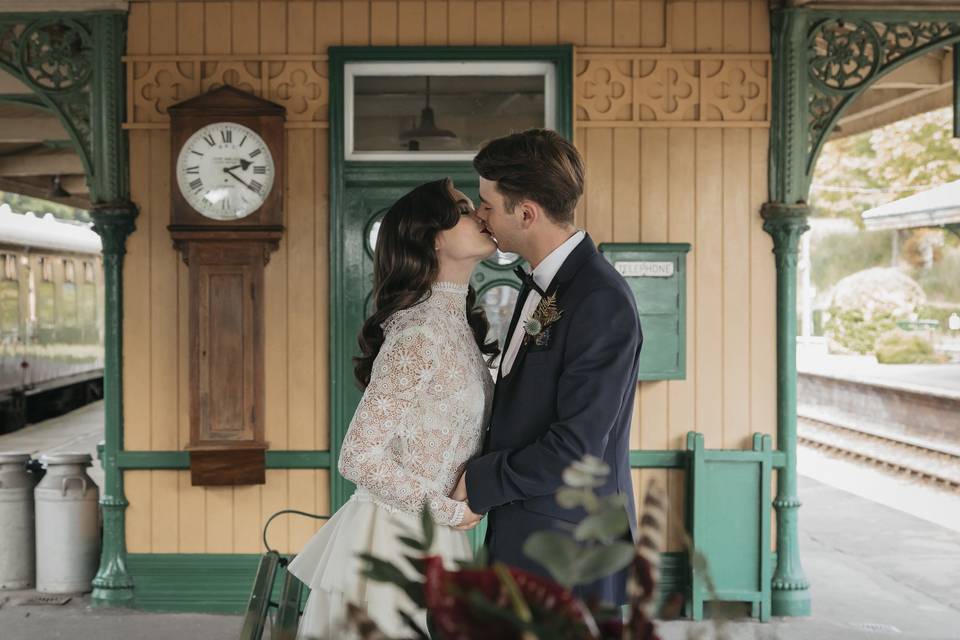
<point>441,110</point>
<point>88,272</point>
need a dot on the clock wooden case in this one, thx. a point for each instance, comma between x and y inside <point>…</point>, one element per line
<point>226,217</point>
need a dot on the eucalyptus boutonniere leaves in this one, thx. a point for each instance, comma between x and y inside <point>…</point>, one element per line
<point>538,326</point>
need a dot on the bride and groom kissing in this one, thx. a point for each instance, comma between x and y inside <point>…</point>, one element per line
<point>432,427</point>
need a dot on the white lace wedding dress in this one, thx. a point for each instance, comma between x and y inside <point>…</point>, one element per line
<point>420,420</point>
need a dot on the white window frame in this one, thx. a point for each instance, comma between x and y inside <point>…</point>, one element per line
<point>405,68</point>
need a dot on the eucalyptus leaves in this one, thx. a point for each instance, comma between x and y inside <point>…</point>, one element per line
<point>599,545</point>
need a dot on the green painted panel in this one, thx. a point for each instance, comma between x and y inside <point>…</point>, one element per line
<point>656,273</point>
<point>729,514</point>
<point>201,583</point>
<point>222,583</point>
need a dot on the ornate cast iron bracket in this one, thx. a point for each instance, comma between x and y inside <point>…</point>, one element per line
<point>845,54</point>
<point>54,56</point>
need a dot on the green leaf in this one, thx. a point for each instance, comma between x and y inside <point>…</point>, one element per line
<point>383,571</point>
<point>419,564</point>
<point>579,479</point>
<point>413,543</point>
<point>608,524</point>
<point>421,635</point>
<point>426,521</point>
<point>601,561</point>
<point>556,552</point>
<point>570,498</point>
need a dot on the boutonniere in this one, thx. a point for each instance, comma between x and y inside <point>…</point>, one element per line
<point>538,326</point>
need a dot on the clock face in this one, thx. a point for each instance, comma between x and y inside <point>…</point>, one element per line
<point>225,171</point>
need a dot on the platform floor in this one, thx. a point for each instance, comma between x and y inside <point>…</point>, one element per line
<point>875,571</point>
<point>937,378</point>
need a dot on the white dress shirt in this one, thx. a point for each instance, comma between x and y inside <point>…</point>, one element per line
<point>543,275</point>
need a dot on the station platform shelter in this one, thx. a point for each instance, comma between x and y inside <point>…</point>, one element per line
<point>700,122</point>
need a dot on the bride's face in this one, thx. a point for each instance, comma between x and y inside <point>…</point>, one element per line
<point>469,239</point>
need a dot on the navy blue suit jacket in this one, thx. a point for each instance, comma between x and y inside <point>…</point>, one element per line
<point>560,401</point>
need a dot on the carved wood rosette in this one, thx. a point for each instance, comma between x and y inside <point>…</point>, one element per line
<point>614,89</point>
<point>297,82</point>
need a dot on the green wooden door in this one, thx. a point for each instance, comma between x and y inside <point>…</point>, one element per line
<point>361,191</point>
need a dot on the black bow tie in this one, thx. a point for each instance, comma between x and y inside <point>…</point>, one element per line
<point>528,281</point>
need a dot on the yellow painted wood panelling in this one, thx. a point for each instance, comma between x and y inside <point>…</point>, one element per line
<point>655,173</point>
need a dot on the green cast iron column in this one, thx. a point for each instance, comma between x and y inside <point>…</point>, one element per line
<point>112,586</point>
<point>790,592</point>
<point>785,219</point>
<point>113,216</point>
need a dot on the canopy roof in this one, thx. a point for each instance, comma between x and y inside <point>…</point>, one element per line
<point>935,207</point>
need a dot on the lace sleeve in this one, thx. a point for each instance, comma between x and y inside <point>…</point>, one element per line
<point>386,423</point>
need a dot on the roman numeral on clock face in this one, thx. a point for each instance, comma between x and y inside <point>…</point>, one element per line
<point>195,170</point>
<point>260,169</point>
<point>255,153</point>
<point>256,186</point>
<point>227,136</point>
<point>209,139</point>
<point>197,184</point>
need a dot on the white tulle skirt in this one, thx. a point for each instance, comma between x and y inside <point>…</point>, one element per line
<point>328,564</point>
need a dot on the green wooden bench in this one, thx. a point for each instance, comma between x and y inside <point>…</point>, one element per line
<point>728,519</point>
<point>286,609</point>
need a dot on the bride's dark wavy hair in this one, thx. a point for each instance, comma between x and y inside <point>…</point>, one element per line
<point>405,266</point>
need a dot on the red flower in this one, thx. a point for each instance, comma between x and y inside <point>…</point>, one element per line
<point>455,602</point>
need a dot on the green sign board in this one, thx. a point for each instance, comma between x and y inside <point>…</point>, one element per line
<point>657,274</point>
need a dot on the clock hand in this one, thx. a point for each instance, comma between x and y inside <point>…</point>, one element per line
<point>234,176</point>
<point>244,165</point>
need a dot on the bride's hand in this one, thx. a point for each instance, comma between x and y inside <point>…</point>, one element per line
<point>470,519</point>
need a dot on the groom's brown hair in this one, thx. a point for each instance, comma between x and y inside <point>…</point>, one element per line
<point>538,165</point>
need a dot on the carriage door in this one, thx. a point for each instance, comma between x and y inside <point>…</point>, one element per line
<point>401,119</point>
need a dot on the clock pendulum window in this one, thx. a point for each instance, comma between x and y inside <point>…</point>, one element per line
<point>226,218</point>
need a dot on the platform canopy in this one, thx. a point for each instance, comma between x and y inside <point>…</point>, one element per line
<point>937,207</point>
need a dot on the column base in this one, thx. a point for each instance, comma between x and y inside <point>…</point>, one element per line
<point>105,597</point>
<point>790,604</point>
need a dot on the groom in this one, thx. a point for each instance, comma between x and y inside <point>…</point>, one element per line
<point>568,373</point>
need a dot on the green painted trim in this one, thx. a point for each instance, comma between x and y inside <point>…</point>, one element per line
<point>129,460</point>
<point>222,583</point>
<point>157,460</point>
<point>658,459</point>
<point>358,172</point>
<point>677,458</point>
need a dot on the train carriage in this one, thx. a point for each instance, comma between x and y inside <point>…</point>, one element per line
<point>51,317</point>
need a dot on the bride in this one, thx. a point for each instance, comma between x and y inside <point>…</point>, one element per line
<point>427,395</point>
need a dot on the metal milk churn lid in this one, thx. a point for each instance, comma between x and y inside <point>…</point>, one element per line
<point>16,521</point>
<point>68,525</point>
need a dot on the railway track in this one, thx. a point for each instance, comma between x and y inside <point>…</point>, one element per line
<point>935,463</point>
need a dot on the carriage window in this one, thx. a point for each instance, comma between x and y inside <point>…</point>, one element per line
<point>441,110</point>
<point>69,271</point>
<point>46,269</point>
<point>9,264</point>
<point>88,272</point>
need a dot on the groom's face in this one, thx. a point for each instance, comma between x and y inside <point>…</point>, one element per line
<point>503,224</point>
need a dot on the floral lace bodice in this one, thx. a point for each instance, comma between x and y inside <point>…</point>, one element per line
<point>422,416</point>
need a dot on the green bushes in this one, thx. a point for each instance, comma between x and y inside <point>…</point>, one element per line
<point>902,347</point>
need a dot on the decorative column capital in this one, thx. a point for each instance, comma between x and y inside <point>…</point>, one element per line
<point>785,223</point>
<point>113,222</point>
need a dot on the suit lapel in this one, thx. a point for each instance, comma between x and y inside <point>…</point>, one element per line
<point>577,258</point>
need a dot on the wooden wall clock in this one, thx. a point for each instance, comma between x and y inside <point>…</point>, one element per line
<point>226,217</point>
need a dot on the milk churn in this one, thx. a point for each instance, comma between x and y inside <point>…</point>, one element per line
<point>68,525</point>
<point>16,521</point>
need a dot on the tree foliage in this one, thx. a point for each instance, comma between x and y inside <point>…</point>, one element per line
<point>868,169</point>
